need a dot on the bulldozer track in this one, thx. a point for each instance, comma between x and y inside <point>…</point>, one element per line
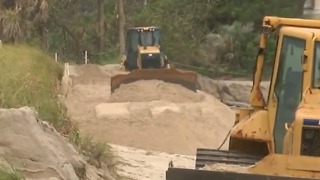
<point>212,156</point>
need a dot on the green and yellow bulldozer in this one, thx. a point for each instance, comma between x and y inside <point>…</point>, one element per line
<point>144,59</point>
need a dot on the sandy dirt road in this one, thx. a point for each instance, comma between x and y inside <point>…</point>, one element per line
<point>166,126</point>
<point>148,165</point>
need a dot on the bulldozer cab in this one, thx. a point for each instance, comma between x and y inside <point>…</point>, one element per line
<point>140,36</point>
<point>141,42</point>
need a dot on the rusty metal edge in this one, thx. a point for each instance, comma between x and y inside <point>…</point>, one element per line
<point>194,174</point>
<point>188,79</point>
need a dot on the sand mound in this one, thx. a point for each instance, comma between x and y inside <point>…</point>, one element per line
<point>227,168</point>
<point>163,125</point>
<point>151,90</point>
<point>36,149</point>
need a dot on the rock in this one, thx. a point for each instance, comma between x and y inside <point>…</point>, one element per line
<point>160,109</point>
<point>79,165</point>
<point>236,91</point>
<point>33,146</point>
<point>105,110</point>
<point>36,149</point>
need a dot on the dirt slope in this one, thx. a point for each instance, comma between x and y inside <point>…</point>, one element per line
<point>37,149</point>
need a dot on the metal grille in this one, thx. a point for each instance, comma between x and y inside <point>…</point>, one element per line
<point>153,61</point>
<point>310,146</point>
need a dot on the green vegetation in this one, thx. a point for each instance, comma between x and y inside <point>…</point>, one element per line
<point>7,174</point>
<point>213,37</point>
<point>98,153</point>
<point>218,38</point>
<point>29,77</point>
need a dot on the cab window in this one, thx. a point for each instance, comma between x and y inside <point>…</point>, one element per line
<point>316,66</point>
<point>288,86</point>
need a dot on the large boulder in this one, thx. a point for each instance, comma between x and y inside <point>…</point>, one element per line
<point>230,90</point>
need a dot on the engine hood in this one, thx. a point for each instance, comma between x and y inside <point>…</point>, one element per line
<point>149,50</point>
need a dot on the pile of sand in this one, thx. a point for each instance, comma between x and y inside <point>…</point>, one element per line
<point>150,115</point>
<point>227,168</point>
<point>151,90</point>
<point>160,118</point>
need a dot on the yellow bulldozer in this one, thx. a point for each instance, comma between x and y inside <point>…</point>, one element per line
<point>144,59</point>
<point>277,138</point>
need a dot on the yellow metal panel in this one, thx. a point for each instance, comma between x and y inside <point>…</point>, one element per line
<point>304,163</point>
<point>256,98</point>
<point>297,132</point>
<point>275,22</point>
<point>312,99</point>
<point>149,49</point>
<point>256,127</point>
<point>243,113</point>
<point>288,141</point>
<point>283,165</point>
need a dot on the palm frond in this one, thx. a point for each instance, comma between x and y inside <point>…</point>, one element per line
<point>10,23</point>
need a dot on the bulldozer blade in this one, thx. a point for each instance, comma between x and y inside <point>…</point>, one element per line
<point>187,79</point>
<point>195,174</point>
<point>212,156</point>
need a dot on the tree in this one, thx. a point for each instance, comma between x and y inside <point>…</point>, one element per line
<point>101,20</point>
<point>77,25</point>
<point>20,17</point>
<point>121,22</point>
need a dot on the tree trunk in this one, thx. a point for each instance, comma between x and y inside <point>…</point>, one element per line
<point>65,41</point>
<point>101,17</point>
<point>43,36</point>
<point>121,26</point>
<point>73,35</point>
